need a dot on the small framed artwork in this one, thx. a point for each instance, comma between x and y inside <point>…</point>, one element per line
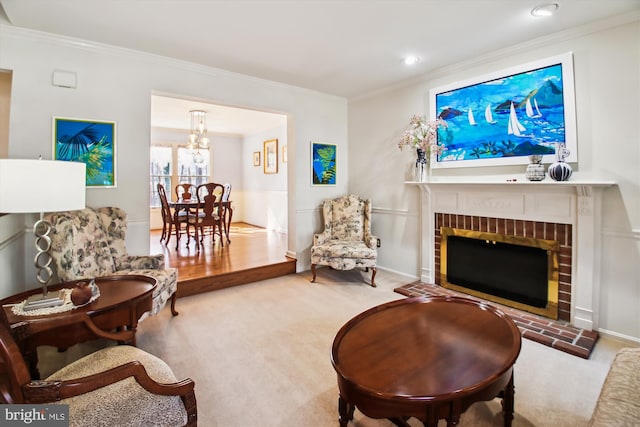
<point>92,142</point>
<point>284,154</point>
<point>271,156</point>
<point>503,117</point>
<point>323,163</point>
<point>256,158</point>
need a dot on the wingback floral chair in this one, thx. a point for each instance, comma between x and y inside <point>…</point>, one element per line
<point>90,242</point>
<point>346,242</point>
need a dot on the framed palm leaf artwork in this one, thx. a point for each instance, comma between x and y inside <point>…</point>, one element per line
<point>92,142</point>
<point>323,163</point>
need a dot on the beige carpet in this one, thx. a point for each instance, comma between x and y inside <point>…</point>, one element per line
<point>260,356</point>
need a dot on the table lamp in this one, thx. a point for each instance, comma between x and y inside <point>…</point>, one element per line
<point>39,186</point>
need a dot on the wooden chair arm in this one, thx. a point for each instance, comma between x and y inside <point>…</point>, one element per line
<point>55,390</point>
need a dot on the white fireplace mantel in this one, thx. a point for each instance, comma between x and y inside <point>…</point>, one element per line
<point>570,202</point>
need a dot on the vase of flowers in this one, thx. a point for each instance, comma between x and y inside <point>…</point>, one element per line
<point>423,137</point>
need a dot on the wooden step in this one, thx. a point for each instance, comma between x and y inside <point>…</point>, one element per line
<point>254,254</point>
<point>233,278</point>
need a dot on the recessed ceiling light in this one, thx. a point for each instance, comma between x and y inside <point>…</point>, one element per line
<point>411,60</point>
<point>547,9</point>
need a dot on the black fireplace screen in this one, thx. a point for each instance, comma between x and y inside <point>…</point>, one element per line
<point>518,271</point>
<point>514,272</point>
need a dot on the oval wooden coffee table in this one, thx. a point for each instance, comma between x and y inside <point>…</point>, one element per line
<point>429,358</point>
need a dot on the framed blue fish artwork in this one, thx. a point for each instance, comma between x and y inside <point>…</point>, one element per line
<point>92,142</point>
<point>503,117</point>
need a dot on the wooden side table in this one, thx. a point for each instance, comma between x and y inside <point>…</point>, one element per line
<point>114,316</point>
<point>427,358</point>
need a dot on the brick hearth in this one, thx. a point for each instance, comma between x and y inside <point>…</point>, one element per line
<point>556,334</point>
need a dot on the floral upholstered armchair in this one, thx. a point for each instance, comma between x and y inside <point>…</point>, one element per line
<point>346,242</point>
<point>90,242</point>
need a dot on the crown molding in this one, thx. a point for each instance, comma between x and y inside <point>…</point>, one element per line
<point>106,49</point>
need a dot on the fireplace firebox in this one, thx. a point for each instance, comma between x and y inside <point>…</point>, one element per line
<point>520,272</point>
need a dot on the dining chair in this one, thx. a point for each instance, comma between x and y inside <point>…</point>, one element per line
<point>226,192</point>
<point>185,191</point>
<point>208,212</point>
<point>226,220</point>
<point>171,219</point>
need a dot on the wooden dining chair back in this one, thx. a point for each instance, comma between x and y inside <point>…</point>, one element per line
<point>171,219</point>
<point>185,191</point>
<point>98,386</point>
<point>227,192</point>
<point>207,216</point>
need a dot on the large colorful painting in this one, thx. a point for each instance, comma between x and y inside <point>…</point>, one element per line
<point>503,117</point>
<point>92,142</point>
<point>323,163</point>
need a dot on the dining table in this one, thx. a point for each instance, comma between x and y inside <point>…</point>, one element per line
<point>190,204</point>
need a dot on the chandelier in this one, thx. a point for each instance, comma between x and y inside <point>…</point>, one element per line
<point>198,135</point>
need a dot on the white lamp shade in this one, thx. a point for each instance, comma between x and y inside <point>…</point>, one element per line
<point>34,186</point>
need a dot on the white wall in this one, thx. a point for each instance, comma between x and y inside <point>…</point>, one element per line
<point>265,195</point>
<point>117,84</point>
<point>607,85</point>
<point>13,237</point>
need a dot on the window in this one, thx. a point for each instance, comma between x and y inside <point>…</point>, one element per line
<point>192,167</point>
<point>161,162</point>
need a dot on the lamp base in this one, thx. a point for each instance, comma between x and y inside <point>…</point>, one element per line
<point>35,302</point>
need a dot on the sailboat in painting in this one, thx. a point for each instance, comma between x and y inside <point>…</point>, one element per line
<point>529,109</point>
<point>514,127</point>
<point>472,121</point>
<point>488,115</point>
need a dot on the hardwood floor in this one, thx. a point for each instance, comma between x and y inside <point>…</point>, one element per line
<point>254,254</point>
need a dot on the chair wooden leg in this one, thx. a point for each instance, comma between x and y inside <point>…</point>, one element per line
<point>220,233</point>
<point>313,271</point>
<point>373,277</point>
<point>164,232</point>
<point>189,402</point>
<point>173,304</point>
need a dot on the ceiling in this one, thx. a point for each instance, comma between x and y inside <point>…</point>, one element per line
<point>173,113</point>
<point>347,48</point>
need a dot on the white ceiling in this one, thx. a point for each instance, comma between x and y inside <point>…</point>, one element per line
<point>344,47</point>
<point>173,113</point>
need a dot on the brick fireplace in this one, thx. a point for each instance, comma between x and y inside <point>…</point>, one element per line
<point>568,212</point>
<point>560,233</point>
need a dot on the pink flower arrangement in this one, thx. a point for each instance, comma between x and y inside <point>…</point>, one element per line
<point>423,135</point>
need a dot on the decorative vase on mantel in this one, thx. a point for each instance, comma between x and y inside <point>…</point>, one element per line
<point>422,170</point>
<point>560,170</point>
<point>535,169</point>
